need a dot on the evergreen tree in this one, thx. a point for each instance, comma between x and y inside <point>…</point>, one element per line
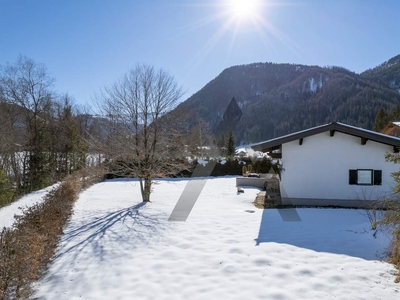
<point>383,117</point>
<point>394,114</point>
<point>71,147</point>
<point>262,165</point>
<point>6,190</point>
<point>381,120</point>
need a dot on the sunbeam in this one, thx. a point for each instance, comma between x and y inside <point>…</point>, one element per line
<point>263,26</point>
<point>238,18</point>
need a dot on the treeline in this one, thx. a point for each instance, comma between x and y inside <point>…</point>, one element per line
<point>229,166</point>
<point>234,166</point>
<point>40,132</point>
<point>44,136</point>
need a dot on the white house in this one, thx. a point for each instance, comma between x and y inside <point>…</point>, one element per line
<point>333,164</point>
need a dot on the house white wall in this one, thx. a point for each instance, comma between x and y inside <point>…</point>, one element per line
<point>319,169</point>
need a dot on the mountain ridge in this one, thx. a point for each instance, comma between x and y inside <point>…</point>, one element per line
<point>278,99</point>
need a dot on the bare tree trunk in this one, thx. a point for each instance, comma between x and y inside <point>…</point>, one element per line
<point>145,188</point>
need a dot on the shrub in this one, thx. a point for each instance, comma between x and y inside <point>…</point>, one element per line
<point>394,253</point>
<point>30,244</point>
<point>262,165</point>
<point>392,219</point>
<point>231,166</point>
<point>7,260</point>
<point>27,247</point>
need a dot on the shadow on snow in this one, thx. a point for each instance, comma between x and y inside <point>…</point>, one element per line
<point>337,231</point>
<point>102,235</point>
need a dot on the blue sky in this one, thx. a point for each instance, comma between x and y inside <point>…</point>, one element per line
<point>87,44</point>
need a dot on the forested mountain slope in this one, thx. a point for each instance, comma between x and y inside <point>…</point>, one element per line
<point>278,99</point>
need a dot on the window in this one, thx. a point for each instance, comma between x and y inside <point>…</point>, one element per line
<point>365,177</point>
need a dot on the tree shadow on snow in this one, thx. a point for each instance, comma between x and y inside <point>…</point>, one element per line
<point>104,239</point>
<point>112,233</point>
<point>322,231</point>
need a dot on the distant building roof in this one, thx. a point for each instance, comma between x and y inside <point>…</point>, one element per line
<point>393,129</point>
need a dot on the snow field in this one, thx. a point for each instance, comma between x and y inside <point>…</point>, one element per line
<point>115,247</point>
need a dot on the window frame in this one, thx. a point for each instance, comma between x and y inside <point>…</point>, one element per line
<point>375,177</point>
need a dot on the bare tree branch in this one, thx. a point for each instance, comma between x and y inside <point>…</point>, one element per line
<point>139,140</point>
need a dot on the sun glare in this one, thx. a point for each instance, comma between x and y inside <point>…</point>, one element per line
<point>237,18</point>
<point>244,8</point>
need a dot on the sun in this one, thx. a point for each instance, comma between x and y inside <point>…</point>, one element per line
<point>238,19</point>
<point>243,9</point>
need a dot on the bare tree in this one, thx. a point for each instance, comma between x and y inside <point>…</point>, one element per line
<point>200,140</point>
<point>27,85</point>
<point>13,134</point>
<point>139,141</point>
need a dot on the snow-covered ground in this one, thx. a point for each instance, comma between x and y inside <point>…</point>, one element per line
<point>7,212</point>
<point>115,247</point>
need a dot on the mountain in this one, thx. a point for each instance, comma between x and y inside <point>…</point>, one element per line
<point>277,99</point>
<point>387,74</point>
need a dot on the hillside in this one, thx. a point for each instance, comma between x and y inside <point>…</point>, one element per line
<point>386,74</point>
<point>277,99</point>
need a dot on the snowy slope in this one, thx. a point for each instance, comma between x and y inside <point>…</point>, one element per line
<point>7,212</point>
<point>117,248</point>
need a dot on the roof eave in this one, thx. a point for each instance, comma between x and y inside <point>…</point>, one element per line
<point>334,126</point>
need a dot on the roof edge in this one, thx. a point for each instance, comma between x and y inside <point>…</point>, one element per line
<point>335,126</point>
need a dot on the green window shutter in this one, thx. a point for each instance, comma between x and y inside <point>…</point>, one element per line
<point>353,177</point>
<point>377,177</point>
